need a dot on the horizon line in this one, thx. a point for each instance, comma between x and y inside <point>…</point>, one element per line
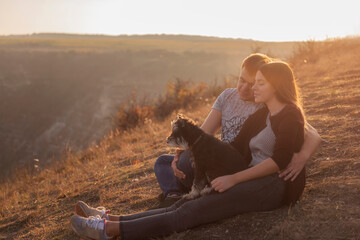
<point>164,34</point>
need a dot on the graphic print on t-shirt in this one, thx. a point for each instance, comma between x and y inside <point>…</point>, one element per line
<point>234,113</point>
<point>231,128</point>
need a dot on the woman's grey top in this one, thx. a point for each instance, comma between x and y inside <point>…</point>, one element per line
<point>262,145</point>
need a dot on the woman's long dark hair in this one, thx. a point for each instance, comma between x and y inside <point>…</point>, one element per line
<point>280,75</point>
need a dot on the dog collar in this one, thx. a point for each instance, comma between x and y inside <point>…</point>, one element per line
<point>198,139</point>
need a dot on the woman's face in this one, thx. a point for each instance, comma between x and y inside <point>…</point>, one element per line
<point>245,82</point>
<point>263,91</point>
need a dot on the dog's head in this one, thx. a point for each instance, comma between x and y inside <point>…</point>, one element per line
<point>180,128</point>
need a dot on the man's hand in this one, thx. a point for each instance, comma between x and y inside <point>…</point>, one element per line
<point>223,183</point>
<point>294,168</point>
<point>177,172</point>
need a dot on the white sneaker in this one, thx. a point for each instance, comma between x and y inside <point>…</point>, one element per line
<point>84,210</point>
<point>89,228</point>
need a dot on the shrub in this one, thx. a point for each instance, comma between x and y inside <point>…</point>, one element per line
<point>179,94</point>
<point>133,113</point>
<point>307,52</point>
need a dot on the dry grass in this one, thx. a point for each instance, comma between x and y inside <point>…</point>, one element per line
<point>118,173</point>
<point>179,94</point>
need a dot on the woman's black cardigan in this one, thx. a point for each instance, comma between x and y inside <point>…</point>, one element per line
<point>288,127</point>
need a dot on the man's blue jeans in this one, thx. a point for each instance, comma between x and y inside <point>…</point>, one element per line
<point>169,184</point>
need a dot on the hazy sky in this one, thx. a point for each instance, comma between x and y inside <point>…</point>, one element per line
<point>267,20</point>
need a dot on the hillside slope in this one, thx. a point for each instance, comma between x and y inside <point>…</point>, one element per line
<point>118,173</point>
<point>60,90</point>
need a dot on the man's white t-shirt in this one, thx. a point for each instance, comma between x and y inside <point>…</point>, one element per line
<point>234,112</point>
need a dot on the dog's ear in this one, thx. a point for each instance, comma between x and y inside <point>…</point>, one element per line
<point>184,119</point>
<point>181,116</point>
<point>182,122</point>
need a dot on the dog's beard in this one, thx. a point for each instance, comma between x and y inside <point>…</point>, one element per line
<point>178,142</point>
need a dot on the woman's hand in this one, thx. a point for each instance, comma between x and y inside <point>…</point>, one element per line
<point>177,172</point>
<point>294,168</point>
<point>223,183</point>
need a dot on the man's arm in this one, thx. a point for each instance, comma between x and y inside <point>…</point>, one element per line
<point>311,143</point>
<point>212,122</point>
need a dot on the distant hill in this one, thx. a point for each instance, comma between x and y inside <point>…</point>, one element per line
<point>172,43</point>
<point>59,90</point>
<point>123,36</point>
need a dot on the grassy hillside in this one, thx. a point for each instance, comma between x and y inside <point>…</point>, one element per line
<point>60,90</point>
<point>118,173</point>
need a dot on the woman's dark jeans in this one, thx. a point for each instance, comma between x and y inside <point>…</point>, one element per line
<point>169,184</point>
<point>262,194</point>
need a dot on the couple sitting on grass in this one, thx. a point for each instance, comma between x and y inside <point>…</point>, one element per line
<point>265,112</point>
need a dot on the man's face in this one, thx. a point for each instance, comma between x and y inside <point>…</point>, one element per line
<point>245,82</point>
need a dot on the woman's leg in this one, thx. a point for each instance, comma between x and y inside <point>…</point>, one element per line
<point>261,194</point>
<point>113,224</point>
<point>148,212</point>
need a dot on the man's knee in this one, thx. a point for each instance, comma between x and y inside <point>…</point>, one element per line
<point>163,160</point>
<point>184,164</point>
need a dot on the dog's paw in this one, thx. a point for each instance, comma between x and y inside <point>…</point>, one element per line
<point>188,196</point>
<point>192,195</point>
<point>206,190</point>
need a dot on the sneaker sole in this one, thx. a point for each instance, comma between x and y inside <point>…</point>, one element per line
<point>81,237</point>
<point>79,211</point>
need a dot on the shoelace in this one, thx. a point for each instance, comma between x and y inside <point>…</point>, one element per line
<point>95,222</point>
<point>102,210</point>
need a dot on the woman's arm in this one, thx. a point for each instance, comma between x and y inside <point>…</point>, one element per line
<point>311,143</point>
<point>212,122</point>
<point>265,168</point>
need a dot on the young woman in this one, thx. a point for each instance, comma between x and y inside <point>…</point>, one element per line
<point>229,112</point>
<point>268,140</point>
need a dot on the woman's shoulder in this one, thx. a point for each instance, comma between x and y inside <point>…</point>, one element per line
<point>258,116</point>
<point>262,111</point>
<point>292,109</point>
<point>289,112</point>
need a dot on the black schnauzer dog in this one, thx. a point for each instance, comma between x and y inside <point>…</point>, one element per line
<point>211,157</point>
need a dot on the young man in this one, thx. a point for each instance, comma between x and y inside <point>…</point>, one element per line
<point>229,112</point>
